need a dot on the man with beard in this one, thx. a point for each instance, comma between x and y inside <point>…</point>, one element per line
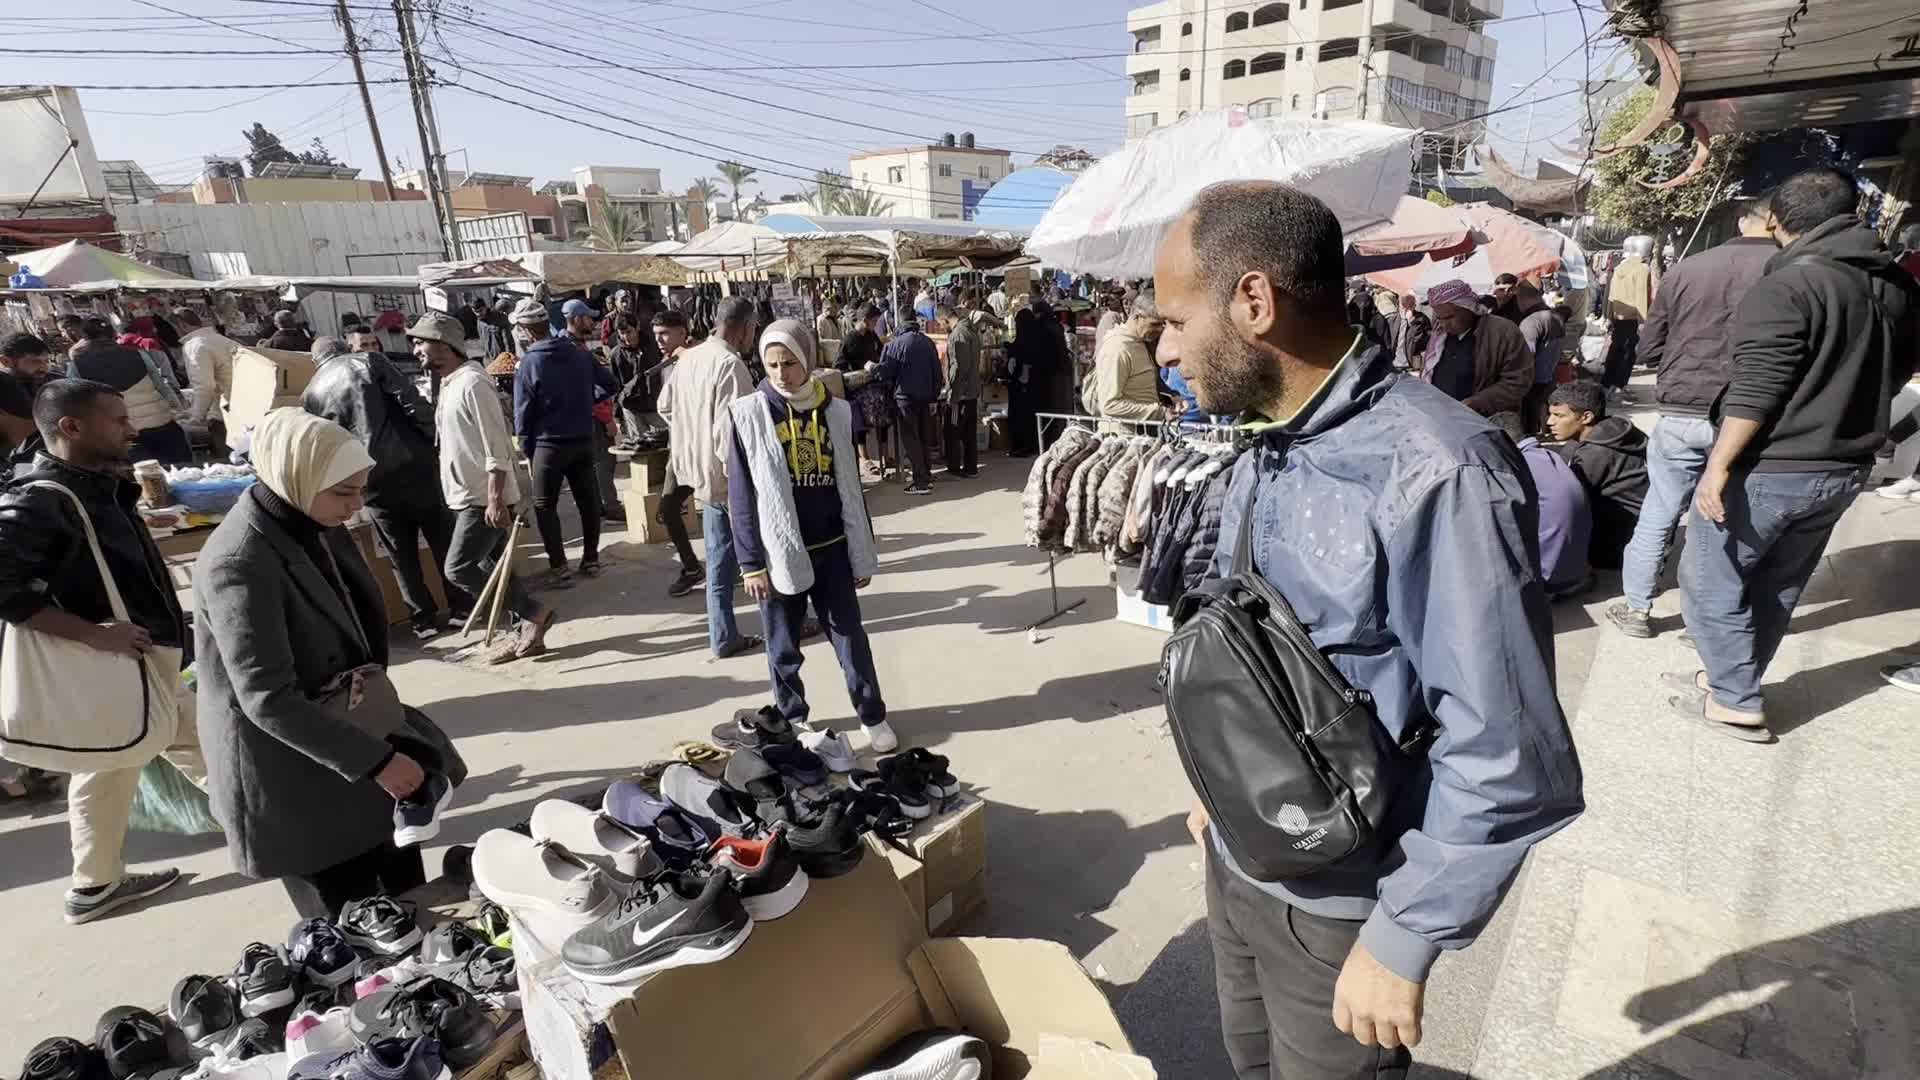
<point>1402,529</point>
<point>27,358</point>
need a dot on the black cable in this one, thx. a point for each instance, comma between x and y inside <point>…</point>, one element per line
<point>227,86</point>
<point>184,52</point>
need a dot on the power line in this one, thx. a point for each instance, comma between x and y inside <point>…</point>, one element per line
<point>214,22</point>
<point>109,53</point>
<point>222,86</point>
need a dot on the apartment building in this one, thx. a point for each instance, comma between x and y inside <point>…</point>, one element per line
<point>943,181</point>
<point>1429,63</point>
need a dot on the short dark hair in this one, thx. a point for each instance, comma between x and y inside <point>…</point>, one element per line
<point>1506,279</point>
<point>360,328</point>
<point>62,398</point>
<point>21,346</point>
<point>15,399</point>
<point>670,317</point>
<point>1281,231</point>
<point>1510,423</point>
<point>624,323</point>
<point>870,313</point>
<point>1807,198</point>
<point>1582,397</point>
<point>95,328</point>
<point>734,311</point>
<point>1563,311</point>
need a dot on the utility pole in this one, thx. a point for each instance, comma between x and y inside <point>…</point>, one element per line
<point>1366,56</point>
<point>438,188</point>
<point>345,19</point>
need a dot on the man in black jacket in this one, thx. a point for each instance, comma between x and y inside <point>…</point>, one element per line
<point>50,583</point>
<point>364,393</point>
<point>1820,345</point>
<point>1609,455</point>
<point>1686,339</point>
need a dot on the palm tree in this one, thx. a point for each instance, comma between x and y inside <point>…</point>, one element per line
<point>830,191</point>
<point>615,228</point>
<point>738,175</point>
<point>707,188</point>
<point>862,202</point>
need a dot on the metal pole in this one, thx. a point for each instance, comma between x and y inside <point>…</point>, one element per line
<point>1526,145</point>
<point>420,125</point>
<point>1366,55</point>
<point>345,19</point>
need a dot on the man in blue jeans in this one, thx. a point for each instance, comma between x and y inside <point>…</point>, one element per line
<point>1819,345</point>
<point>1685,337</point>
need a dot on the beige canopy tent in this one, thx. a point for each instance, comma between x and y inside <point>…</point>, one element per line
<point>561,271</point>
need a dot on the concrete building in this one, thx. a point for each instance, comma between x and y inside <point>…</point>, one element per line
<point>659,214</point>
<point>1427,63</point>
<point>944,180</point>
<point>222,182</point>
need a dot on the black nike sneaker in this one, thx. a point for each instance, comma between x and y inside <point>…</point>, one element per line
<point>132,1040</point>
<point>674,920</point>
<point>320,953</point>
<point>206,1009</point>
<point>263,980</point>
<point>380,924</point>
<point>754,728</point>
<point>61,1058</point>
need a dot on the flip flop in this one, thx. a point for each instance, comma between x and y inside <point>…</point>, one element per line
<point>1695,709</point>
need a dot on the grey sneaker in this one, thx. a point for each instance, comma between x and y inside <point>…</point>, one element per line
<point>1904,676</point>
<point>1632,623</point>
<point>88,906</point>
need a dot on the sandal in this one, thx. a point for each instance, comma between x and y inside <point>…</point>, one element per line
<point>742,645</point>
<point>705,756</point>
<point>534,643</point>
<point>590,569</point>
<point>1695,709</point>
<point>941,784</point>
<point>559,578</point>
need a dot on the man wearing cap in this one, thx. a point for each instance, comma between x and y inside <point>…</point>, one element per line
<point>1474,356</point>
<point>479,477</point>
<point>554,388</point>
<point>364,393</point>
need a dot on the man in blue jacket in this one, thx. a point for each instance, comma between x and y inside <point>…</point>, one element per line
<point>1401,527</point>
<point>553,395</point>
<point>911,363</point>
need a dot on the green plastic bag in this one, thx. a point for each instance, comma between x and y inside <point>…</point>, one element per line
<point>168,802</point>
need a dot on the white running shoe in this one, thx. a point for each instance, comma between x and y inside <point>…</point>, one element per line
<point>834,749</point>
<point>552,891</point>
<point>595,837</point>
<point>1907,488</point>
<point>881,738</point>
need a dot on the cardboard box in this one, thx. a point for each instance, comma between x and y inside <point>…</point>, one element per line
<point>646,469</point>
<point>857,935</point>
<point>945,878</point>
<point>1129,608</point>
<point>264,379</point>
<point>389,582</point>
<point>644,529</point>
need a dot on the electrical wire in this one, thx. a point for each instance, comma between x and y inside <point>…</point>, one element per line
<point>213,22</point>
<point>223,86</point>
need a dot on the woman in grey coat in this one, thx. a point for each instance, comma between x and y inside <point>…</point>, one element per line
<point>286,606</point>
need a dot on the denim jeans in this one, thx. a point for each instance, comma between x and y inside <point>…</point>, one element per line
<point>834,598</point>
<point>1740,580</point>
<point>1675,457</point>
<point>723,573</point>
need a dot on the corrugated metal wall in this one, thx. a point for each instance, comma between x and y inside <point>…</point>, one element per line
<point>291,238</point>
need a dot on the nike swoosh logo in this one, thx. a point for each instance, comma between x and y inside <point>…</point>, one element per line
<point>643,937</point>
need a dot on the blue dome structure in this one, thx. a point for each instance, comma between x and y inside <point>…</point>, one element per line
<point>1022,197</point>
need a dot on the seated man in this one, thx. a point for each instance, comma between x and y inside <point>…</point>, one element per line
<point>1609,455</point>
<point>1566,522</point>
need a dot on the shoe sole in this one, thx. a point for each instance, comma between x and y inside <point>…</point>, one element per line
<point>769,906</point>
<point>119,900</point>
<point>959,1058</point>
<point>398,947</point>
<point>1695,710</point>
<point>917,813</point>
<point>409,835</point>
<point>1910,688</point>
<point>265,1003</point>
<point>943,791</point>
<point>1902,496</point>
<point>686,956</point>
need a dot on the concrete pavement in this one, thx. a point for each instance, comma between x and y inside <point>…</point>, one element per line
<point>1722,910</point>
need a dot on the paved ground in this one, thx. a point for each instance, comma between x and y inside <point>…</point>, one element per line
<point>1723,910</point>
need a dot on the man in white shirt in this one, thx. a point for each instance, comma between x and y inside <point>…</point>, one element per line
<point>479,476</point>
<point>704,384</point>
<point>209,355</point>
<point>997,300</point>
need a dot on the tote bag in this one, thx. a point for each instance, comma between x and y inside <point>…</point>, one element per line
<point>68,707</point>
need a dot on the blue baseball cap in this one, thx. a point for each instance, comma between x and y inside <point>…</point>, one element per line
<point>577,307</point>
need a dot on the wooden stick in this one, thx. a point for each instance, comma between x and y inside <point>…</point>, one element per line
<point>505,572</point>
<point>479,602</point>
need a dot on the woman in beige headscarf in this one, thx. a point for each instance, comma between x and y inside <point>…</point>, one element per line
<point>286,609</point>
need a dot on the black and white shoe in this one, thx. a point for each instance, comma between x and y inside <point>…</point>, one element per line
<point>766,875</point>
<point>672,921</point>
<point>62,1058</point>
<point>379,924</point>
<point>450,941</point>
<point>386,1059</point>
<point>320,953</point>
<point>206,1009</point>
<point>934,772</point>
<point>90,904</point>
<point>256,1038</point>
<point>133,1041</point>
<point>754,728</point>
<point>937,1054</point>
<point>416,818</point>
<point>262,979</point>
<point>900,781</point>
<point>831,847</point>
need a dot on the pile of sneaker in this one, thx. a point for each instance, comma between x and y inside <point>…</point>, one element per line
<point>370,983</point>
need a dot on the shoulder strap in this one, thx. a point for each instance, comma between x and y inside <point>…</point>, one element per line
<point>118,605</point>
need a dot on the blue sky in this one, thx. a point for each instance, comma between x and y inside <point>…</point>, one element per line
<point>811,79</point>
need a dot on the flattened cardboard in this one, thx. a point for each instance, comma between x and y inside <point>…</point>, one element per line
<point>1010,992</point>
<point>264,379</point>
<point>946,877</point>
<point>1063,1058</point>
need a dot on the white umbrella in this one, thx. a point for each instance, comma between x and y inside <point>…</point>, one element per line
<point>1110,221</point>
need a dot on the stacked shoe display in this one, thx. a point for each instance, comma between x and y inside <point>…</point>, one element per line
<point>369,990</point>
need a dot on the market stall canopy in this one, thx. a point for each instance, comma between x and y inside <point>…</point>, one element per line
<point>1417,231</point>
<point>1022,197</point>
<point>916,245</point>
<point>559,270</point>
<point>1511,245</point>
<point>733,246</point>
<point>77,263</point>
<point>1552,196</point>
<point>1110,221</point>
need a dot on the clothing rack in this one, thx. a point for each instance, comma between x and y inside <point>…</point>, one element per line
<point>1160,428</point>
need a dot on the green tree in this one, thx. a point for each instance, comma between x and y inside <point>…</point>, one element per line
<point>829,191</point>
<point>739,176</point>
<point>862,202</point>
<point>706,188</point>
<point>1439,198</point>
<point>264,148</point>
<point>318,154</point>
<point>1621,196</point>
<point>615,228</point>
